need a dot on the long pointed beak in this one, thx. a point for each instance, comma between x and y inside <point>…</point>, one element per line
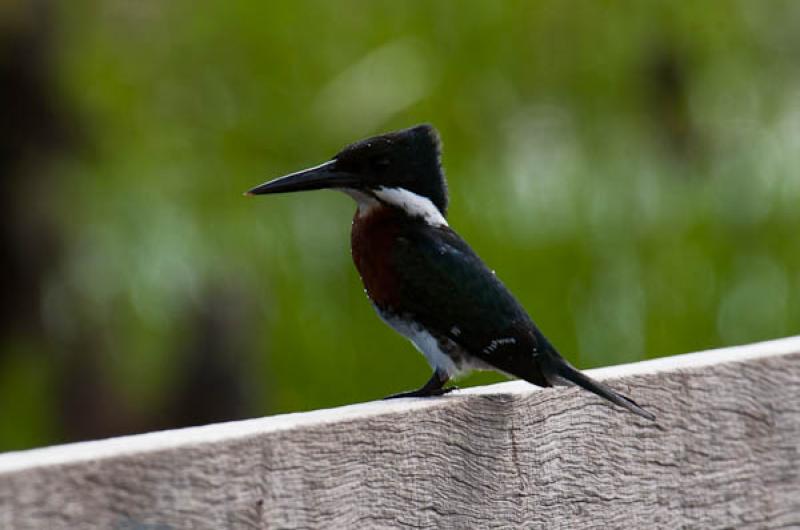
<point>323,176</point>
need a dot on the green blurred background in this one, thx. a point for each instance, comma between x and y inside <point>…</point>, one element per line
<point>630,169</point>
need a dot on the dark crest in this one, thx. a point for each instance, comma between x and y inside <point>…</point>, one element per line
<point>408,158</point>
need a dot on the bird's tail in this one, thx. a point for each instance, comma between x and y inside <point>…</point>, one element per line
<point>558,370</point>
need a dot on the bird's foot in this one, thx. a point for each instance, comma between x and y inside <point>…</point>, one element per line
<point>423,392</point>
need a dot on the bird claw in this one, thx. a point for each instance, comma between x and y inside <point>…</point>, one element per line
<point>423,393</point>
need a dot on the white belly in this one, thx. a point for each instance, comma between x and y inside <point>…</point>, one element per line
<point>454,361</point>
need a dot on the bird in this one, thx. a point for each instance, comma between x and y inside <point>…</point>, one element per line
<point>422,278</point>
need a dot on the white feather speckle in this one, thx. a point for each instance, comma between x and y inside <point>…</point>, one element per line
<point>496,343</point>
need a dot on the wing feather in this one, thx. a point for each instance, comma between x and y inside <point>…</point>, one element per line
<point>446,287</point>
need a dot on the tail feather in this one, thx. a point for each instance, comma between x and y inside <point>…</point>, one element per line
<point>559,369</point>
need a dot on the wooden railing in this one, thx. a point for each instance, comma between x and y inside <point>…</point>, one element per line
<point>724,453</point>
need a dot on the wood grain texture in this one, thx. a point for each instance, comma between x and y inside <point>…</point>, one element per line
<point>725,452</point>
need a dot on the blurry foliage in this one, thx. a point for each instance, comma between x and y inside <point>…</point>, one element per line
<point>629,170</point>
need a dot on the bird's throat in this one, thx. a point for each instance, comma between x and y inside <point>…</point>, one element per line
<point>372,241</point>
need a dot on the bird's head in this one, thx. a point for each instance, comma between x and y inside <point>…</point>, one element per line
<point>399,168</point>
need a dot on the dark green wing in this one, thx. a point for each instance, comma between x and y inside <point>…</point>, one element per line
<point>446,287</point>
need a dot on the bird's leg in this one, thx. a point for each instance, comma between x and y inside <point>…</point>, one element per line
<point>434,387</point>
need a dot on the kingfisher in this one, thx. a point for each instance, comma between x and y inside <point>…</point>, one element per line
<point>422,278</point>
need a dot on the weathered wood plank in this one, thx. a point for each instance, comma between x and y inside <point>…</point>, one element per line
<point>725,452</point>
